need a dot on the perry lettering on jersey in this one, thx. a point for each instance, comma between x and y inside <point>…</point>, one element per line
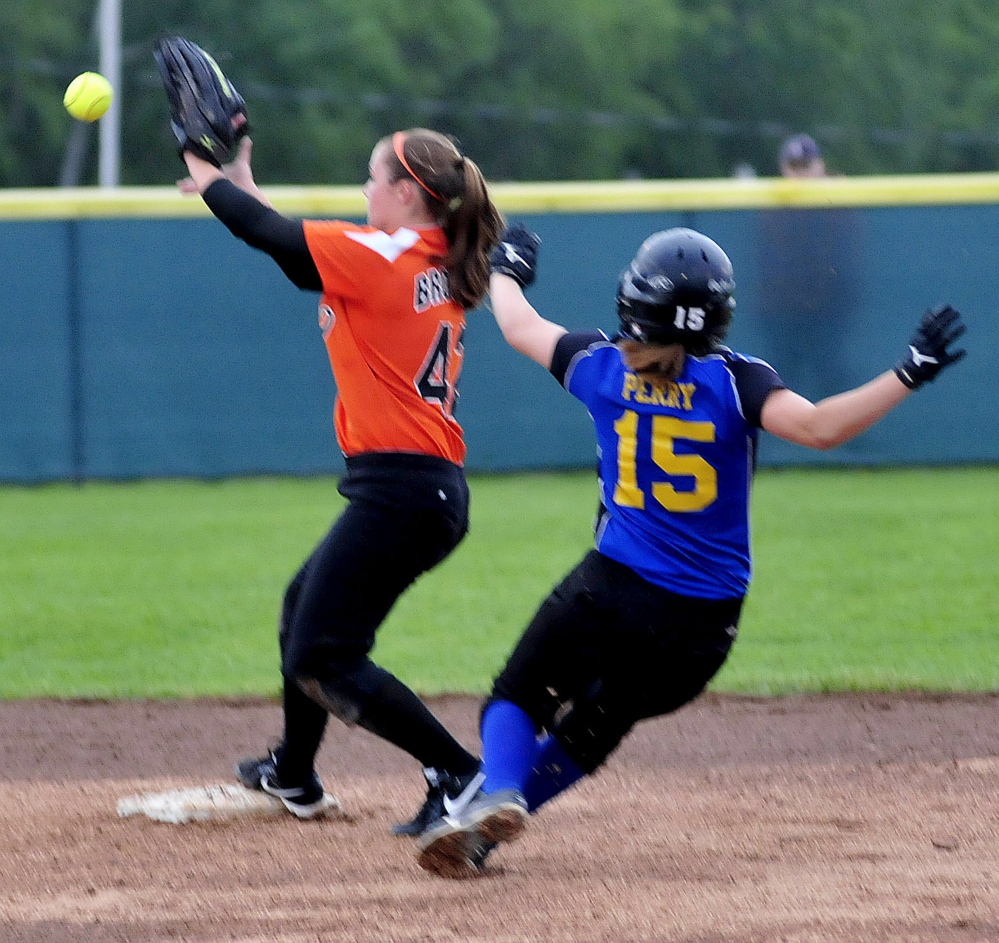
<point>658,393</point>
<point>431,288</point>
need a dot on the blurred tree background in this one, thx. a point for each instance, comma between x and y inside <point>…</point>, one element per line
<point>550,90</point>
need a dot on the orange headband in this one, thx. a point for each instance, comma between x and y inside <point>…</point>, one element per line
<point>398,145</point>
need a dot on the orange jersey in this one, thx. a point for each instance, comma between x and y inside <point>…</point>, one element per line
<point>394,338</point>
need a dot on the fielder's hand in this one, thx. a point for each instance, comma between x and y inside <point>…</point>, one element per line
<point>928,353</point>
<point>517,254</point>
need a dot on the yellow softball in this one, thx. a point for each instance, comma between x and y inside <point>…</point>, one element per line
<point>88,96</point>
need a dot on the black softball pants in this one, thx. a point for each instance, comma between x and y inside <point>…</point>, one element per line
<point>607,649</point>
<point>405,514</point>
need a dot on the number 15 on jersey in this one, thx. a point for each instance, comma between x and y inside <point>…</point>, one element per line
<point>688,466</point>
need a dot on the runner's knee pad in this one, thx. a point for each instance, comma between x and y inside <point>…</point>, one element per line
<point>591,730</point>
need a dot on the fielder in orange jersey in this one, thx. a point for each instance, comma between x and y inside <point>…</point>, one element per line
<point>392,311</point>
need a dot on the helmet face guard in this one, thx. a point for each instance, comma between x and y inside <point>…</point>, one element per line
<point>677,290</point>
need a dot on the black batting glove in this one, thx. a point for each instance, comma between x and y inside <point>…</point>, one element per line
<point>517,254</point>
<point>928,353</point>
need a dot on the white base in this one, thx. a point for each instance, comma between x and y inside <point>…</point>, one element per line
<point>204,803</point>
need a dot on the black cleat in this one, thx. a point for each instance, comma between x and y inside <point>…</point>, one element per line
<point>456,845</point>
<point>305,801</point>
<point>496,816</point>
<point>439,785</point>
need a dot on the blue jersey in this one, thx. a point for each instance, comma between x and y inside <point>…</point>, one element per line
<point>676,460</point>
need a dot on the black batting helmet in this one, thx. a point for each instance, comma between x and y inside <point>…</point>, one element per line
<point>677,290</point>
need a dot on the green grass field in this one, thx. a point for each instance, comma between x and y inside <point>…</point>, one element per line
<point>881,580</point>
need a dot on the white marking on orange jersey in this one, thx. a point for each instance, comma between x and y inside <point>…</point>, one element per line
<point>388,245</point>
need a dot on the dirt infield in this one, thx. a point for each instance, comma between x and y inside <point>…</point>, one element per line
<point>855,818</point>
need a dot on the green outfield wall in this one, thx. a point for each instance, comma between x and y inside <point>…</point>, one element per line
<point>139,339</point>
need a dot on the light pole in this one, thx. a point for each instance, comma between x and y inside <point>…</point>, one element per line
<point>109,39</point>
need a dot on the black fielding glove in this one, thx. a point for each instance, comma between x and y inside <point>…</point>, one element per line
<point>928,353</point>
<point>207,115</point>
<point>517,254</point>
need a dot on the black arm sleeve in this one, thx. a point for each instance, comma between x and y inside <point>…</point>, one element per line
<point>567,346</point>
<point>283,239</point>
<point>754,382</point>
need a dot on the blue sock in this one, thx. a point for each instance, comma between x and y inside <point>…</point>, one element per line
<point>554,772</point>
<point>509,746</point>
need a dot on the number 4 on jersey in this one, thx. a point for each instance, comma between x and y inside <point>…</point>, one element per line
<point>439,371</point>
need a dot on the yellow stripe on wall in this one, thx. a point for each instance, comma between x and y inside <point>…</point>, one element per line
<point>560,197</point>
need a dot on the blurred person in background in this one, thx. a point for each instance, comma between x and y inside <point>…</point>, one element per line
<point>800,156</point>
<point>809,282</point>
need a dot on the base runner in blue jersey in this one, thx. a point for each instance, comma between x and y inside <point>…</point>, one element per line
<point>649,615</point>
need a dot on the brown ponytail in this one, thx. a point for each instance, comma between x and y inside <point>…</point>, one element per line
<point>455,192</point>
<point>664,361</point>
